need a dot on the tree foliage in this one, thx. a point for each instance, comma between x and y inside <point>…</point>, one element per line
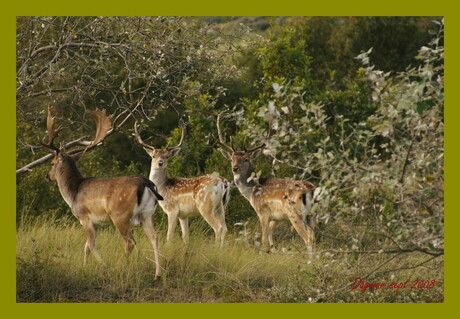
<point>378,159</point>
<point>367,130</point>
<point>142,67</point>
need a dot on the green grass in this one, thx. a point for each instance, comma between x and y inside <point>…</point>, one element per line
<point>50,269</point>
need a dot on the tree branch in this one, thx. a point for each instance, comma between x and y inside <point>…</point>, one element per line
<point>438,252</point>
<point>44,159</point>
<point>79,142</point>
<point>58,49</point>
<point>406,161</point>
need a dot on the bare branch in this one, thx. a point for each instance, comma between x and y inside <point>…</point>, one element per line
<point>78,142</point>
<point>55,58</point>
<point>406,161</point>
<point>409,267</point>
<point>44,159</point>
<point>437,252</point>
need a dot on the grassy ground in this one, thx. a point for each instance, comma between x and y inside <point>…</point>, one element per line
<point>50,269</point>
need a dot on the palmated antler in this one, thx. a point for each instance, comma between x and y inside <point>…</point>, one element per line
<point>103,125</point>
<point>52,133</point>
<point>139,139</point>
<point>221,138</point>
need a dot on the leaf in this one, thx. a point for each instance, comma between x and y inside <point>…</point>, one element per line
<point>210,188</point>
<point>423,105</point>
<point>215,175</point>
<point>276,87</point>
<point>271,107</point>
<point>317,193</point>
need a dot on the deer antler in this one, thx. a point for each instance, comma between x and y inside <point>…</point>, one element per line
<point>269,134</point>
<point>231,148</point>
<point>52,133</point>
<point>138,137</point>
<point>221,139</point>
<point>103,125</point>
<point>183,125</point>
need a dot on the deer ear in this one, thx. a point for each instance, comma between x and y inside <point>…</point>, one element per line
<point>174,152</point>
<point>226,154</point>
<point>255,153</point>
<point>148,150</point>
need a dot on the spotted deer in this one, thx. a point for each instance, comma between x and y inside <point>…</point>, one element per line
<point>183,198</point>
<point>273,199</point>
<point>94,201</point>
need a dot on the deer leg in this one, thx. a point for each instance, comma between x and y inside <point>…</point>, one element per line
<point>311,224</point>
<point>87,252</point>
<point>216,226</point>
<point>215,218</point>
<point>223,231</point>
<point>152,235</point>
<point>219,225</point>
<point>172,222</point>
<point>271,227</point>
<point>265,225</point>
<point>304,230</point>
<point>90,245</point>
<point>124,229</point>
<point>311,221</point>
<point>224,199</point>
<point>185,230</point>
<point>219,216</point>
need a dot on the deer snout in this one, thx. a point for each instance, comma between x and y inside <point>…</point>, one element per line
<point>160,163</point>
<point>235,168</point>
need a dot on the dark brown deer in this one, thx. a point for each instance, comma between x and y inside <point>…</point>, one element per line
<point>184,198</point>
<point>273,199</point>
<point>121,200</point>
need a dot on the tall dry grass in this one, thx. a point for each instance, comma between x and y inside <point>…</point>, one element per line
<point>50,269</point>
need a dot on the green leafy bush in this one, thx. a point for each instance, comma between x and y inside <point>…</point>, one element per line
<point>379,170</point>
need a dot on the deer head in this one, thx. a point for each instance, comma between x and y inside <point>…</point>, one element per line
<point>240,159</point>
<point>61,158</point>
<point>159,156</point>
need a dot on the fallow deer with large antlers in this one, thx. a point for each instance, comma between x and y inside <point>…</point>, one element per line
<point>94,201</point>
<point>184,198</point>
<point>273,199</point>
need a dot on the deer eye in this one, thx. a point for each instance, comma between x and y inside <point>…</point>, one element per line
<point>246,160</point>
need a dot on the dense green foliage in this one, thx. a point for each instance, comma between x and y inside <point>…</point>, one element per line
<point>374,147</point>
<point>356,106</point>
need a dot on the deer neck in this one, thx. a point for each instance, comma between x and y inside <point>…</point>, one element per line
<point>69,179</point>
<point>159,178</point>
<point>246,188</point>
